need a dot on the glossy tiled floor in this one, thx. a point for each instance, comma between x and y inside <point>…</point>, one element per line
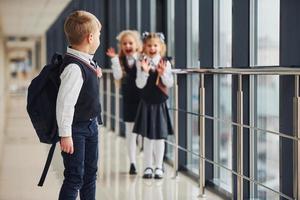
<point>22,158</point>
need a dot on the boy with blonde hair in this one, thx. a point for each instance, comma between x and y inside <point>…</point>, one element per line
<point>78,107</point>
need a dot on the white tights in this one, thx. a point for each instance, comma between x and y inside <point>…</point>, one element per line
<point>153,150</point>
<point>131,142</point>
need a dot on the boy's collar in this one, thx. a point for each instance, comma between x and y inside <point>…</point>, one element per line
<point>80,54</point>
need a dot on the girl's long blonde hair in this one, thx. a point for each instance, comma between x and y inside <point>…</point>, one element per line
<point>135,35</point>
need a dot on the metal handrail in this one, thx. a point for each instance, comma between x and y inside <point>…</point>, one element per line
<point>230,170</point>
<point>266,70</point>
<point>238,124</point>
<point>262,70</point>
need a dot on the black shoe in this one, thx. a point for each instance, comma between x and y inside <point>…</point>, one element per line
<point>148,173</point>
<point>132,170</point>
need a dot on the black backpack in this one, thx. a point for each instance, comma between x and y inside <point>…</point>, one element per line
<point>41,106</point>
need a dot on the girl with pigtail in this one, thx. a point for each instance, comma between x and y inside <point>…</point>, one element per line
<point>152,120</point>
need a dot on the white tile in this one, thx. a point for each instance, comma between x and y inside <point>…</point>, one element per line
<point>23,158</point>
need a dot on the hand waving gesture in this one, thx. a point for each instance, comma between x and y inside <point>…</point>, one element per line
<point>145,65</point>
<point>111,52</point>
<point>161,67</point>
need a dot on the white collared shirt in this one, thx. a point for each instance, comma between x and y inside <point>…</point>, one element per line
<point>70,86</point>
<point>116,65</point>
<point>142,77</point>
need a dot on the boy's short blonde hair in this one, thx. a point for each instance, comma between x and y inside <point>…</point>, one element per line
<point>132,33</point>
<point>78,25</point>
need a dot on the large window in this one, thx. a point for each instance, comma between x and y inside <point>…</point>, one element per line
<point>170,27</point>
<point>193,123</point>
<point>170,52</point>
<point>139,15</point>
<point>193,85</point>
<point>264,113</point>
<point>222,93</point>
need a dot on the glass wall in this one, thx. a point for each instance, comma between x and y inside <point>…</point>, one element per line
<point>193,85</point>
<point>139,15</point>
<point>265,97</point>
<point>171,53</point>
<point>222,93</point>
<point>170,28</point>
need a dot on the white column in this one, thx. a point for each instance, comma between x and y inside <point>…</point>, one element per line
<point>3,93</point>
<point>43,50</point>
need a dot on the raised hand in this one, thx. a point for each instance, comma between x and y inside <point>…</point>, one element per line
<point>111,52</point>
<point>161,67</point>
<point>145,65</point>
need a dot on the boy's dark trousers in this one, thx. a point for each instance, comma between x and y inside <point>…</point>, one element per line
<point>81,166</point>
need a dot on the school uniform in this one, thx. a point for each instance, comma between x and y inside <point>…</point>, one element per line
<point>78,114</point>
<point>124,69</point>
<point>152,119</point>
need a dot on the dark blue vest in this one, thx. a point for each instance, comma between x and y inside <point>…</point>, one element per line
<point>130,92</point>
<point>151,93</point>
<point>88,102</point>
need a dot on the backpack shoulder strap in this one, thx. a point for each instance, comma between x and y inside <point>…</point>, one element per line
<point>74,60</point>
<point>81,62</point>
<point>47,165</point>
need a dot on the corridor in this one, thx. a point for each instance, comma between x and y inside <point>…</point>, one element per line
<point>22,158</point>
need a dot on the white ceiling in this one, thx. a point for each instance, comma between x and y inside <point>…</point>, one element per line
<point>28,18</point>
